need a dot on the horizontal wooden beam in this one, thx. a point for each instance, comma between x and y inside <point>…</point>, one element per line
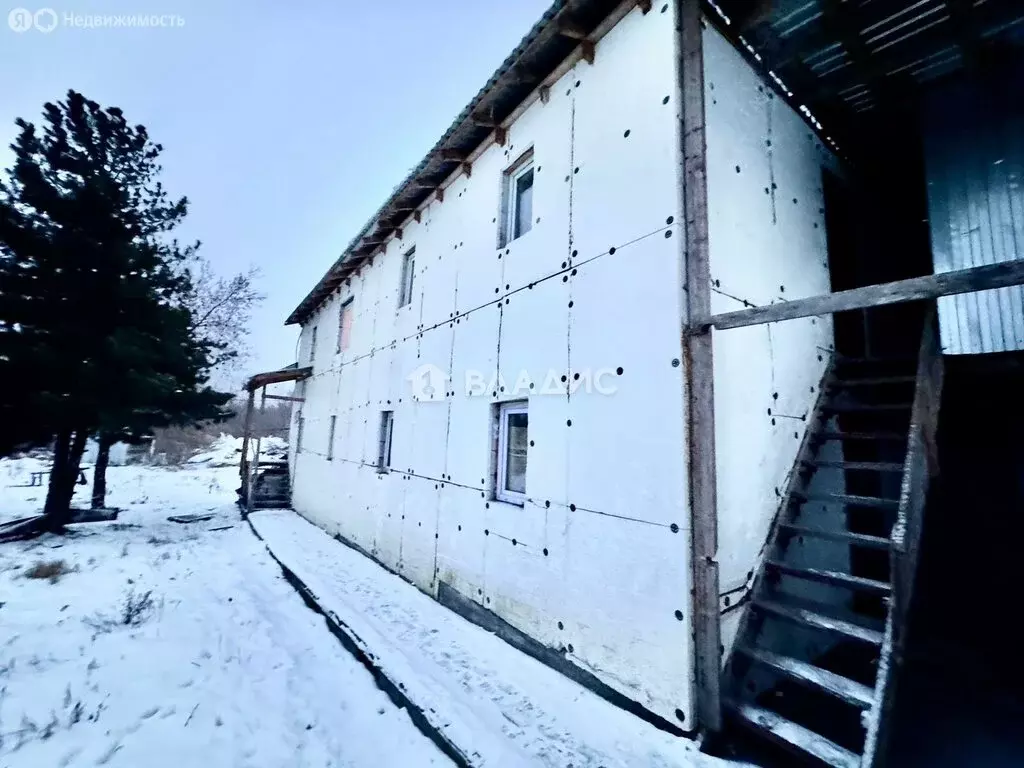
<point>453,155</point>
<point>286,398</point>
<point>983,278</point>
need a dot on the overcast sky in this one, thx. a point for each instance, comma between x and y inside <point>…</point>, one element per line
<point>286,124</point>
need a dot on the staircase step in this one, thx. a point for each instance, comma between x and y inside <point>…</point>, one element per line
<point>836,578</point>
<point>866,407</point>
<point>835,434</point>
<point>872,381</point>
<point>843,688</point>
<point>792,736</point>
<point>818,620</point>
<point>867,466</point>
<point>858,539</point>
<point>848,499</point>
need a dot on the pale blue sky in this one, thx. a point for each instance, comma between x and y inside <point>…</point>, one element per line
<point>287,124</point>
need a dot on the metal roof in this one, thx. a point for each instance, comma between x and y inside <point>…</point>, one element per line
<point>561,31</point>
<point>849,60</point>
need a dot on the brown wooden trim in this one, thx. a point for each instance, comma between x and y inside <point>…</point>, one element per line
<point>982,278</point>
<point>644,6</point>
<point>277,377</point>
<point>700,405</point>
<point>545,93</point>
<point>440,194</point>
<point>452,155</point>
<point>587,51</point>
<point>572,30</point>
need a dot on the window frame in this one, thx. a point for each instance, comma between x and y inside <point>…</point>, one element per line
<point>330,436</point>
<point>346,306</point>
<point>384,438</point>
<point>408,278</point>
<point>510,198</point>
<point>501,492</point>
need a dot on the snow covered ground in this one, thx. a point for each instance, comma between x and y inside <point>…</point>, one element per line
<point>225,667</point>
<point>182,645</point>
<point>499,706</point>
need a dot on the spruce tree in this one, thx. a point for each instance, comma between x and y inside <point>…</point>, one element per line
<point>93,335</point>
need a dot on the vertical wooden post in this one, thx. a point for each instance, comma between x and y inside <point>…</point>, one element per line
<point>247,425</point>
<point>697,344</point>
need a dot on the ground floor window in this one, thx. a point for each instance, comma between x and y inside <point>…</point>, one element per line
<point>384,444</point>
<point>512,443</point>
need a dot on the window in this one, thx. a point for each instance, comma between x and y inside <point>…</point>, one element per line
<point>330,438</point>
<point>312,346</point>
<point>387,419</point>
<point>408,274</point>
<point>345,326</point>
<point>510,477</point>
<point>298,434</point>
<point>518,199</point>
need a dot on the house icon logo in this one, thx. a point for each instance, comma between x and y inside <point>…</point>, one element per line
<point>428,383</point>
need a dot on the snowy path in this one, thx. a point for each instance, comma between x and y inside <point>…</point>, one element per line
<point>228,668</point>
<point>499,706</point>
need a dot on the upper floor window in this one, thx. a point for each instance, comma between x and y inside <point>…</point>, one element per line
<point>408,274</point>
<point>345,325</point>
<point>517,196</point>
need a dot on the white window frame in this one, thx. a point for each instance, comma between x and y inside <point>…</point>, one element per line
<point>513,174</point>
<point>330,437</point>
<point>387,429</point>
<point>408,278</point>
<point>501,493</point>
<point>346,306</point>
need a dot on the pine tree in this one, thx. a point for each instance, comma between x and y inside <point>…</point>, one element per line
<point>93,336</point>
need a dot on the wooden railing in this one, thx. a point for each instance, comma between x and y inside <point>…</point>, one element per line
<point>920,469</point>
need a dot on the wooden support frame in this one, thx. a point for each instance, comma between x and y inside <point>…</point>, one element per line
<point>545,93</point>
<point>697,343</point>
<point>452,155</point>
<point>569,28</point>
<point>440,194</point>
<point>982,278</point>
<point>587,50</point>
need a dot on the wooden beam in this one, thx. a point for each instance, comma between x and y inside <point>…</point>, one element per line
<point>398,233</point>
<point>644,6</point>
<point>452,155</point>
<point>417,216</point>
<point>587,51</point>
<point>699,392</point>
<point>568,28</point>
<point>983,278</point>
<point>500,135</point>
<point>440,194</point>
<point>467,168</point>
<point>286,398</point>
<point>545,93</point>
<point>484,121</point>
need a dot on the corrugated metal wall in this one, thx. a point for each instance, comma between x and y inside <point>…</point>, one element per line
<point>974,152</point>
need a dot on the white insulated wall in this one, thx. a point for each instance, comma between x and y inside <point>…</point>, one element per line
<point>596,563</point>
<point>767,244</point>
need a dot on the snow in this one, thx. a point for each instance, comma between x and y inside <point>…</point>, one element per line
<point>227,668</point>
<point>499,706</point>
<point>226,451</point>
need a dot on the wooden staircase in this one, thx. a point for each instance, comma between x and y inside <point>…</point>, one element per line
<point>802,683</point>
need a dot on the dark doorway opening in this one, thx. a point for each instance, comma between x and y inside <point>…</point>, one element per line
<point>960,692</point>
